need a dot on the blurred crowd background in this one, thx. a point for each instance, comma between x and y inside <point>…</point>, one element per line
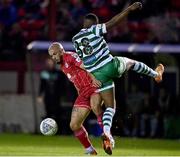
<point>22,21</point>
<point>144,109</point>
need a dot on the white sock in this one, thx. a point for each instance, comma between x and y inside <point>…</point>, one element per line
<point>142,68</point>
<point>89,149</point>
<point>107,120</point>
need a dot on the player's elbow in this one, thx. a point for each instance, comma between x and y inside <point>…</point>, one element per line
<point>111,24</point>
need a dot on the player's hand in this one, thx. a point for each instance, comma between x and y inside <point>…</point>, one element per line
<point>136,5</point>
<point>95,82</point>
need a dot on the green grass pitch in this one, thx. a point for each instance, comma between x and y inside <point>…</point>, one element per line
<point>39,145</point>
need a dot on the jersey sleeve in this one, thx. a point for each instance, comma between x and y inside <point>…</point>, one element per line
<point>75,59</point>
<point>99,29</point>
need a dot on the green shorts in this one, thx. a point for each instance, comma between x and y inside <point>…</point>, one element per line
<point>108,72</point>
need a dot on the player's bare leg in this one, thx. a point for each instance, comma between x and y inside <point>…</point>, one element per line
<point>142,68</point>
<point>96,107</point>
<point>77,118</point>
<point>108,97</point>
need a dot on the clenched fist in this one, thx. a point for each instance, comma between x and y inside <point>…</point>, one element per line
<point>136,5</point>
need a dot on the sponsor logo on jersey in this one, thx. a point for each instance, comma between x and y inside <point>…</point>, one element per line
<point>90,60</point>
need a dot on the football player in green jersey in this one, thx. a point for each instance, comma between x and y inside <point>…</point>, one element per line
<point>92,48</point>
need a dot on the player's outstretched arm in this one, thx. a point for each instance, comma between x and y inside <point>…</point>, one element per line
<point>119,17</point>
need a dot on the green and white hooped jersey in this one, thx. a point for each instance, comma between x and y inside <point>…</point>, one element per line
<point>92,48</point>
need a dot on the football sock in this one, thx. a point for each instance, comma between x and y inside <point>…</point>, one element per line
<point>107,120</point>
<point>89,149</point>
<point>142,68</point>
<point>99,120</point>
<point>82,136</point>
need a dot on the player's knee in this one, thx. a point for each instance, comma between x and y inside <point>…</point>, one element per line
<point>74,126</point>
<point>97,109</point>
<point>129,63</point>
<point>95,101</point>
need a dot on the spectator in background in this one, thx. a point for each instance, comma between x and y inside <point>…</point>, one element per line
<point>78,11</point>
<point>65,23</point>
<point>51,89</point>
<point>164,98</point>
<point>8,12</point>
<point>149,118</point>
<point>16,42</point>
<point>134,102</point>
<point>12,43</point>
<point>156,112</point>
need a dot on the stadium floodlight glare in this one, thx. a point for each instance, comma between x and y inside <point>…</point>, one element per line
<point>44,45</point>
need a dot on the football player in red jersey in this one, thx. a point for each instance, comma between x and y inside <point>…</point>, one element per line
<point>86,85</point>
